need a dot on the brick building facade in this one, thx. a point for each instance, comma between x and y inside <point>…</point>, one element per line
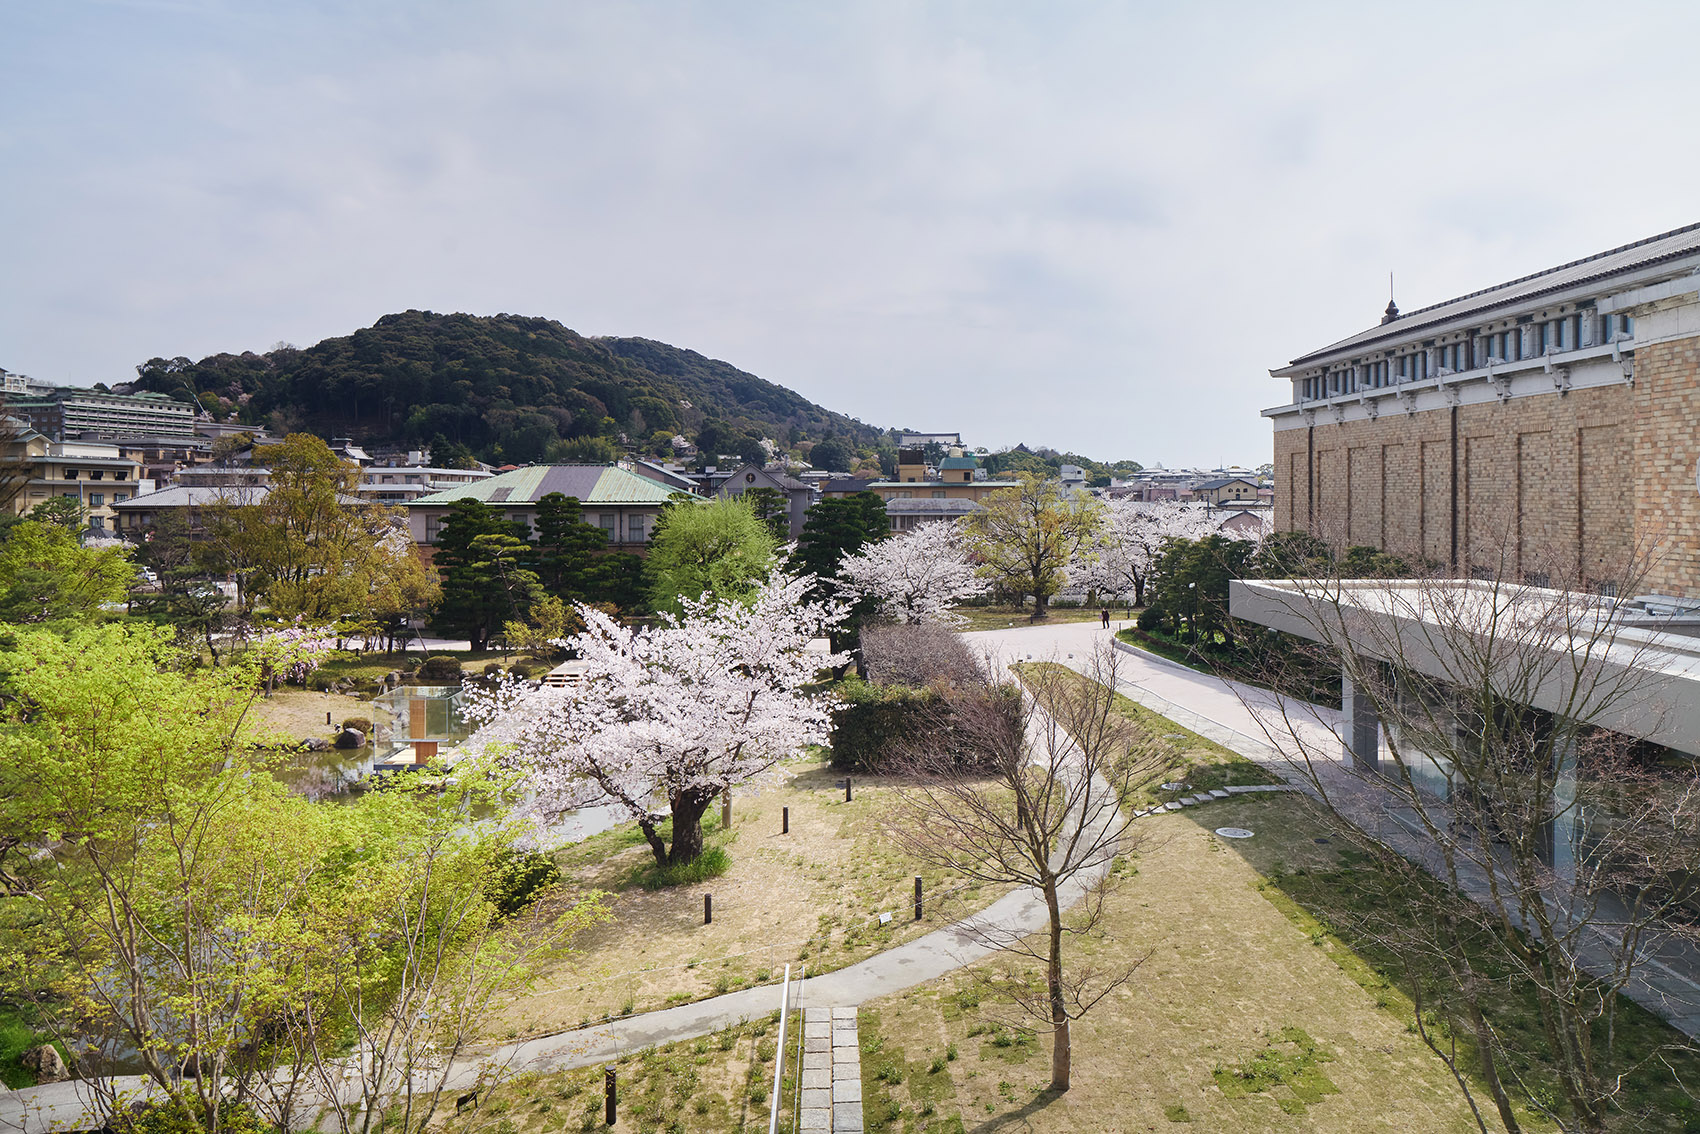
<point>1548,427</point>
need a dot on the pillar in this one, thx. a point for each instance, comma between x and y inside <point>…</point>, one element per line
<point>1362,727</point>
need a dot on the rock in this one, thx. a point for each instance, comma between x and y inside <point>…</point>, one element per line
<point>316,744</point>
<point>45,1064</point>
<point>351,738</point>
<point>392,678</point>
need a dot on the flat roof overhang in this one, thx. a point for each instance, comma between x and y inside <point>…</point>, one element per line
<point>1647,678</point>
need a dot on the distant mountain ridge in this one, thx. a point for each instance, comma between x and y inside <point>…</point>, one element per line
<point>507,387</point>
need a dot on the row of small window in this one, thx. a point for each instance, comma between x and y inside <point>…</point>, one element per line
<point>937,494</point>
<point>1503,346</point>
<point>94,474</point>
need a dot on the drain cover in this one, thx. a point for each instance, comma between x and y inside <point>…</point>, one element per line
<point>1233,832</point>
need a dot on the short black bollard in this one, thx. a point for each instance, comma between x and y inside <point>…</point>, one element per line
<point>708,909</point>
<point>784,820</point>
<point>609,1094</point>
<point>327,716</point>
<point>846,789</point>
<point>917,897</point>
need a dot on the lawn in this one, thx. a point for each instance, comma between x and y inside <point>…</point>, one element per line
<point>1328,889</point>
<point>1237,1020</point>
<point>721,1082</point>
<point>1004,617</point>
<point>813,895</point>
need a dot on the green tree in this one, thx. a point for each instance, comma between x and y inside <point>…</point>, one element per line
<point>566,560</point>
<point>833,454</point>
<point>833,528</point>
<point>1025,536</point>
<point>238,939</point>
<point>480,559</point>
<point>65,511</point>
<point>1189,585</point>
<point>47,575</point>
<point>771,508</point>
<point>708,547</point>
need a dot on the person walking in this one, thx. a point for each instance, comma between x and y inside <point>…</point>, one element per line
<point>1105,614</point>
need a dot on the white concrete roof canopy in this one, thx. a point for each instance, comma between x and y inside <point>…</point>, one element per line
<point>1642,681</point>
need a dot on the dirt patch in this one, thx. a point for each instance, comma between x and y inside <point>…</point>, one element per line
<point>814,896</point>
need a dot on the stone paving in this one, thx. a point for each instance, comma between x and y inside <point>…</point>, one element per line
<point>832,1072</point>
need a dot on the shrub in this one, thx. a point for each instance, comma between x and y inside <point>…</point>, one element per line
<point>360,723</point>
<point>440,669</point>
<point>873,724</point>
<point>918,656</point>
<point>1151,618</point>
<point>517,879</point>
<point>526,670</point>
<point>320,681</point>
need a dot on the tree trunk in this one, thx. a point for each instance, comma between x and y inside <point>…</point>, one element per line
<point>688,808</point>
<point>1041,609</point>
<point>1062,1053</point>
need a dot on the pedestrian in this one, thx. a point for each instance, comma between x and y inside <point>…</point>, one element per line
<point>1105,614</point>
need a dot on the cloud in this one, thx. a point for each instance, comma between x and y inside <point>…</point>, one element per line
<point>1090,226</point>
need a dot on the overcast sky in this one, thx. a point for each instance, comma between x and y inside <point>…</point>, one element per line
<point>1091,226</point>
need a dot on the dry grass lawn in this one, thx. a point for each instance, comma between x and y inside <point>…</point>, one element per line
<point>719,1083</point>
<point>300,713</point>
<point>1230,984</point>
<point>1005,617</point>
<point>811,896</point>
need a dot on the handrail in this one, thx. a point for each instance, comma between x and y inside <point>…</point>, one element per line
<point>779,1054</point>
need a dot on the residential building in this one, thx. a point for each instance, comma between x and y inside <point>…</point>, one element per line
<point>1556,416</point>
<point>922,440</point>
<point>96,476</point>
<point>798,495</point>
<point>620,502</point>
<point>844,486</point>
<point>402,484</point>
<point>1225,491</point>
<point>66,413</point>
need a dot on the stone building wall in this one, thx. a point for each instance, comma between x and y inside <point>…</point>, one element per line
<point>1666,447</point>
<point>1529,486</point>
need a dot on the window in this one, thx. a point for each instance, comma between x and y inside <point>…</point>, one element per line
<point>97,523</point>
<point>433,525</point>
<point>95,475</point>
<point>70,474</point>
<point>120,497</point>
<point>606,520</point>
<point>634,528</point>
<point>904,495</point>
<point>97,500</point>
<point>938,494</point>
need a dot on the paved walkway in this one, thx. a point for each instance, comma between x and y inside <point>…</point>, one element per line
<point>832,1073</point>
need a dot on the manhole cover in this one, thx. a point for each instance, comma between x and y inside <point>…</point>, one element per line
<point>1233,832</point>
<point>1174,787</point>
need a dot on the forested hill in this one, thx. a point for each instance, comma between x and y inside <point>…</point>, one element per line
<point>506,387</point>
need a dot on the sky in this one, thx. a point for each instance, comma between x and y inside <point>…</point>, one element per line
<point>1092,226</point>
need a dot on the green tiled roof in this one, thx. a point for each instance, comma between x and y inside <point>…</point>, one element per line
<point>591,484</point>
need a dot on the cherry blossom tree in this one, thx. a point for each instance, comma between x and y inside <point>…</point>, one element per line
<point>917,576</point>
<point>669,717</point>
<point>1131,541</point>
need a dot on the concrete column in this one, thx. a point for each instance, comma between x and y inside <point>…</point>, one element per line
<point>1362,727</point>
<point>1566,813</point>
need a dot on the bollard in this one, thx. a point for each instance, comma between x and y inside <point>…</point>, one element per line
<point>917,897</point>
<point>609,1094</point>
<point>846,789</point>
<point>708,909</point>
<point>784,820</point>
<point>726,811</point>
<point>327,716</point>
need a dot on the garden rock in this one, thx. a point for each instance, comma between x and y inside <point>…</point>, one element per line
<point>45,1063</point>
<point>351,738</point>
<point>316,744</point>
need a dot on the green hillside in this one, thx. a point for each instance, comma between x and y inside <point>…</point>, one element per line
<point>506,387</point>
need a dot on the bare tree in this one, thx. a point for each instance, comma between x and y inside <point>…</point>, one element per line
<point>917,655</point>
<point>1038,806</point>
<point>1504,736</point>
